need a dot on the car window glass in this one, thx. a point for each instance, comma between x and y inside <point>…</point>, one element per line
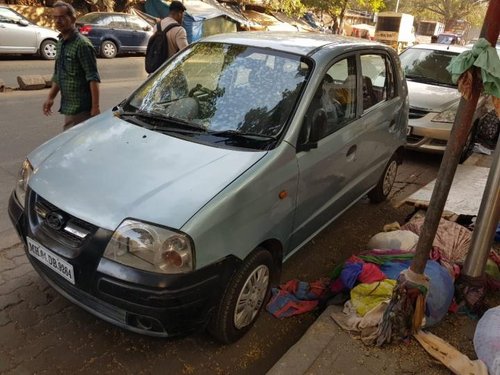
<point>235,88</point>
<point>336,97</point>
<point>374,76</point>
<point>8,16</point>
<point>136,23</point>
<point>427,65</point>
<point>117,22</point>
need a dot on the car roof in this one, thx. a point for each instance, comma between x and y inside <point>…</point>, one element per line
<point>441,47</point>
<point>107,14</point>
<point>302,43</point>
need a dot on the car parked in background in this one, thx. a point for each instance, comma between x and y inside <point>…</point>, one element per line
<point>175,210</point>
<point>18,35</point>
<point>115,33</point>
<point>434,98</point>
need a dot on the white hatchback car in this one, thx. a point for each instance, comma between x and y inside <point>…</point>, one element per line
<point>20,36</point>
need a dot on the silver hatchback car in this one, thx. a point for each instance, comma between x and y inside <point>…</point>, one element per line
<point>20,36</point>
<point>175,211</point>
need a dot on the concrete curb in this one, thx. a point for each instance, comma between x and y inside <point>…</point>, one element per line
<point>326,349</point>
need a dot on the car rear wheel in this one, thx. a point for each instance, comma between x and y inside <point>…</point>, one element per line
<point>384,186</point>
<point>108,49</point>
<point>48,49</point>
<point>243,298</point>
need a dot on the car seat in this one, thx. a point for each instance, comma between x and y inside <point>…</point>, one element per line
<point>369,96</point>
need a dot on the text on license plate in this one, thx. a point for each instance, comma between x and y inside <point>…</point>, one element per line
<point>51,260</point>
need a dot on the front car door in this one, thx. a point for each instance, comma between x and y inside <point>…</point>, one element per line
<point>328,173</point>
<point>14,37</point>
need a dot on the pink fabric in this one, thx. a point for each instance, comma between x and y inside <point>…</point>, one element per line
<point>370,273</point>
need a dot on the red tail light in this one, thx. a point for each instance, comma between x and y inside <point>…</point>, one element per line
<point>85,30</point>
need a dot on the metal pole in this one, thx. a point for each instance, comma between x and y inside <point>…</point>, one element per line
<point>486,223</point>
<point>458,136</point>
<point>397,6</point>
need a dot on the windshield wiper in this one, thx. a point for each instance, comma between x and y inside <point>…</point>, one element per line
<point>163,121</point>
<point>235,133</point>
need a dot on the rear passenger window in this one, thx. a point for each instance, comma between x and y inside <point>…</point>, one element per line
<point>378,80</point>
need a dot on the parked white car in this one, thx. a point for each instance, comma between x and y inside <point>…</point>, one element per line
<point>20,36</point>
<point>434,98</point>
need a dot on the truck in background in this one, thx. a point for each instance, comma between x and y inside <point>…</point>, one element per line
<point>427,29</point>
<point>395,29</point>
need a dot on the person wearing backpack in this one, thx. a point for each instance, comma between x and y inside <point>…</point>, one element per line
<point>169,38</point>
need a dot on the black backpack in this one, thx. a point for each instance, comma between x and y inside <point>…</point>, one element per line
<point>157,50</point>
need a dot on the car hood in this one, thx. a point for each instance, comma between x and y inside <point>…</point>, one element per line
<point>431,97</point>
<point>106,170</point>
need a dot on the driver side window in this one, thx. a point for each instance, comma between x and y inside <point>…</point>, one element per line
<point>334,102</point>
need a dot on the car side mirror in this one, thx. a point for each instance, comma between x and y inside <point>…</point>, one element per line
<point>23,23</point>
<point>313,130</point>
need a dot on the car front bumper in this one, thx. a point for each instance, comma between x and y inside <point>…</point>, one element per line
<point>139,301</point>
<point>426,135</point>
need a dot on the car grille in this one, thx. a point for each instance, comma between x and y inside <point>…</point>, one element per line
<point>72,233</point>
<point>417,113</point>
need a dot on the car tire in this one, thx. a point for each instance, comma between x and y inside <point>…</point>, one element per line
<point>108,49</point>
<point>384,185</point>
<point>235,315</point>
<point>48,49</point>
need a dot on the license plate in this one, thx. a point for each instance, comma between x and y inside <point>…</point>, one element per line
<point>51,260</point>
<point>408,130</point>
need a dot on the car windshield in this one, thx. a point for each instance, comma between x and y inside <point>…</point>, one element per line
<point>223,89</point>
<point>427,65</point>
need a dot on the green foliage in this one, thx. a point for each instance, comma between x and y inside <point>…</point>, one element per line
<point>289,7</point>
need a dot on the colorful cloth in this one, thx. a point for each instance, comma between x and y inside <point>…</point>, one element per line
<point>483,56</point>
<point>365,297</point>
<point>296,297</point>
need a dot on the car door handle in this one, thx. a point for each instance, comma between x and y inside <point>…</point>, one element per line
<point>351,153</point>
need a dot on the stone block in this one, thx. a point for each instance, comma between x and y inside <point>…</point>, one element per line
<point>48,80</point>
<point>31,82</point>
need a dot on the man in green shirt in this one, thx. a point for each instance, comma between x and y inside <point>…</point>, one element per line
<point>75,73</point>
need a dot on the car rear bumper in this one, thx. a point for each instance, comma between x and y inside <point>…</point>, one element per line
<point>139,301</point>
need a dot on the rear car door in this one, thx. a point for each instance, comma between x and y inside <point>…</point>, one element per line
<point>119,29</point>
<point>140,33</point>
<point>380,115</point>
<point>14,37</point>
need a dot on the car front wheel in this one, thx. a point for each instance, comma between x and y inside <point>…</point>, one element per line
<point>108,49</point>
<point>48,49</point>
<point>243,298</point>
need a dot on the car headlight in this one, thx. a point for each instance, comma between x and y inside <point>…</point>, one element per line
<point>151,248</point>
<point>447,115</point>
<point>22,181</point>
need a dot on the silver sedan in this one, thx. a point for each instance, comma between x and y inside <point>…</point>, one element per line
<point>20,36</point>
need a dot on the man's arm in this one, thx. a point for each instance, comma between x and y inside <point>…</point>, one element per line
<point>181,38</point>
<point>94,91</point>
<point>47,105</point>
<point>88,61</point>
